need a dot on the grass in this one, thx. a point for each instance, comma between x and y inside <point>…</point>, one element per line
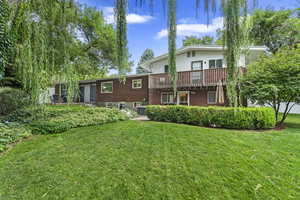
<point>152,160</point>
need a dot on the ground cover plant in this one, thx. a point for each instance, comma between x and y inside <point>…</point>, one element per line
<point>220,117</point>
<point>54,119</point>
<point>154,160</point>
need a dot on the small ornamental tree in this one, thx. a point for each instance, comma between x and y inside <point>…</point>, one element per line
<point>275,81</point>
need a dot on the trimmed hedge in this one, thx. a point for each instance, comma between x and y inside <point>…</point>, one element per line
<point>219,117</point>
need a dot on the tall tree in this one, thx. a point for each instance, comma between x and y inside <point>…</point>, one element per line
<point>275,29</point>
<point>234,37</point>
<point>147,55</point>
<point>122,49</point>
<point>194,40</point>
<point>172,34</point>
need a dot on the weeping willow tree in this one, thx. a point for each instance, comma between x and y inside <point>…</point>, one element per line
<point>40,46</point>
<point>172,29</point>
<point>4,37</point>
<point>235,39</point>
<point>122,49</point>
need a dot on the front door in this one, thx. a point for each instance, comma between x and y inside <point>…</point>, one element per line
<point>183,98</point>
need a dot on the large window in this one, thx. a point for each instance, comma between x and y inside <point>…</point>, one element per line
<point>211,97</point>
<point>197,65</point>
<point>215,64</point>
<point>137,83</point>
<point>167,98</point>
<point>107,87</point>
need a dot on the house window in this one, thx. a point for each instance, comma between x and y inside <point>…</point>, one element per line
<point>197,65</point>
<point>107,87</point>
<point>137,83</point>
<point>162,80</point>
<point>188,54</point>
<point>93,93</point>
<point>197,77</point>
<point>166,68</point>
<point>211,97</point>
<point>193,53</point>
<point>167,98</point>
<point>215,64</point>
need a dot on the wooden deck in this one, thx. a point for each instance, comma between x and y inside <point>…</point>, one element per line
<point>197,78</point>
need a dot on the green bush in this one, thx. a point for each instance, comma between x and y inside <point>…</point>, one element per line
<point>10,133</point>
<point>220,117</point>
<point>12,99</point>
<point>44,127</point>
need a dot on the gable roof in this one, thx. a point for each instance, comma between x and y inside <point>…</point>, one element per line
<point>198,48</point>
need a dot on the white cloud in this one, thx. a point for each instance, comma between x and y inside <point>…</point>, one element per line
<point>131,17</point>
<point>138,19</point>
<point>186,29</point>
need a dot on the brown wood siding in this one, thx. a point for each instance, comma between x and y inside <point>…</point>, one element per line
<point>124,92</point>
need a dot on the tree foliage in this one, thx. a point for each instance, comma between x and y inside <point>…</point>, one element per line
<point>275,80</point>
<point>275,29</point>
<point>122,49</point>
<point>172,32</point>
<point>4,37</point>
<point>194,40</point>
<point>57,41</point>
<point>147,55</point>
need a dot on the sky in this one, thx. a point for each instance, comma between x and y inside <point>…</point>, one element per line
<point>147,27</point>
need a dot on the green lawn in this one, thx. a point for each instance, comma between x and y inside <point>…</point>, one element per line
<point>151,160</point>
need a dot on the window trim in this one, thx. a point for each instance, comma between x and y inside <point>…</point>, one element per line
<point>211,92</point>
<point>132,83</point>
<point>112,87</point>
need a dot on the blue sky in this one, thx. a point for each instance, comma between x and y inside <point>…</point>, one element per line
<point>147,29</point>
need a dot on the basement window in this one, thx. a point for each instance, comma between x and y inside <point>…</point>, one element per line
<point>211,97</point>
<point>167,98</point>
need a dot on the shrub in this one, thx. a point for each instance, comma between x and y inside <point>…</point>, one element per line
<point>57,119</point>
<point>44,127</point>
<point>12,99</point>
<point>221,117</point>
<point>10,133</point>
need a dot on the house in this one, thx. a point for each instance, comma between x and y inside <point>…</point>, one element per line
<point>201,70</point>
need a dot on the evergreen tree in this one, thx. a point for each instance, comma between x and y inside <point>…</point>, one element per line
<point>147,55</point>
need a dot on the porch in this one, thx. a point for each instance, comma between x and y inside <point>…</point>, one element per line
<point>190,79</point>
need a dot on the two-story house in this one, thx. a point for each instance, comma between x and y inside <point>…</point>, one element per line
<point>201,70</point>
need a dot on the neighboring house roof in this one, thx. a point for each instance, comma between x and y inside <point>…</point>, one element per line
<point>198,48</point>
